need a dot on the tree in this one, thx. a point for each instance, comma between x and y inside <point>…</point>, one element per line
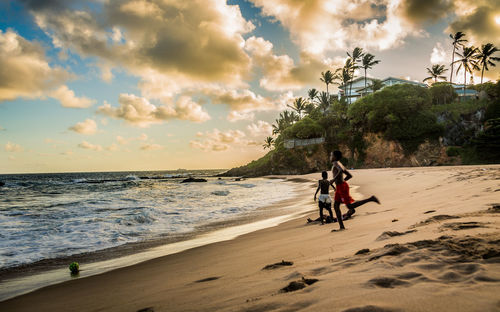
<point>368,62</point>
<point>468,60</point>
<point>442,93</point>
<point>436,72</point>
<point>458,40</point>
<point>376,85</point>
<point>268,143</point>
<point>312,94</point>
<point>355,56</point>
<point>325,100</point>
<point>298,105</point>
<point>485,57</point>
<point>327,77</point>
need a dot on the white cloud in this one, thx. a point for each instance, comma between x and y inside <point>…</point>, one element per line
<point>25,72</point>
<point>90,146</point>
<point>113,147</point>
<point>261,128</point>
<point>330,25</point>
<point>68,99</point>
<point>217,140</point>
<point>88,127</point>
<point>438,55</point>
<point>138,111</point>
<point>13,148</point>
<point>234,116</point>
<point>151,147</point>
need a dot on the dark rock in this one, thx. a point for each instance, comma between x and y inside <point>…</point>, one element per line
<point>362,251</point>
<point>188,180</point>
<point>2,183</point>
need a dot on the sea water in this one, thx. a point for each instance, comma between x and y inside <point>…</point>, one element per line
<point>46,216</point>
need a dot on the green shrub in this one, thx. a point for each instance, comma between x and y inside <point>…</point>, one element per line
<point>442,93</point>
<point>401,113</point>
<point>306,128</point>
<point>453,151</point>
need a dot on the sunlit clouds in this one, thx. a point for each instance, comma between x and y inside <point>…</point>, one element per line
<point>146,84</point>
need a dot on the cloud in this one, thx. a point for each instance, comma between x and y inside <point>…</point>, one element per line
<point>25,72</point>
<point>217,140</point>
<point>331,25</point>
<point>151,147</point>
<point>438,55</point>
<point>477,20</point>
<point>280,72</point>
<point>13,148</point>
<point>138,111</point>
<point>419,11</point>
<point>241,100</point>
<point>68,99</point>
<point>124,141</point>
<point>2,128</point>
<point>234,116</point>
<point>88,127</point>
<point>178,43</point>
<point>90,146</point>
<point>113,147</point>
<point>261,128</point>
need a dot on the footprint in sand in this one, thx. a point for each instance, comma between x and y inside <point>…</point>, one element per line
<point>429,211</point>
<point>371,308</point>
<point>457,226</point>
<point>277,265</point>
<point>389,234</point>
<point>387,282</point>
<point>148,309</point>
<point>297,285</point>
<point>208,279</point>
<point>435,219</point>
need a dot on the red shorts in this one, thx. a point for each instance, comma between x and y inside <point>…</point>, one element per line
<point>342,194</point>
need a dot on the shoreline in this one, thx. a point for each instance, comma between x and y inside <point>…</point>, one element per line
<point>23,279</point>
<point>431,245</point>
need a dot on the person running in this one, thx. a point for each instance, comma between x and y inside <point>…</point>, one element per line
<point>325,201</point>
<point>342,191</point>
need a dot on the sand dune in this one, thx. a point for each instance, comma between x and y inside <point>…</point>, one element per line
<point>433,245</point>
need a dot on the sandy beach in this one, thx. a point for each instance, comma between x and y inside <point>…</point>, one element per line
<point>432,245</point>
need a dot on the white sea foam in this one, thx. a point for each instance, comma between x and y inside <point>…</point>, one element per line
<point>56,216</point>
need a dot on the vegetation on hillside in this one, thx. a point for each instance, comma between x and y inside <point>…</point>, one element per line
<point>405,113</point>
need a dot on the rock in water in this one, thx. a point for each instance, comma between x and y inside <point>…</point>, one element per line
<point>188,180</point>
<point>2,183</point>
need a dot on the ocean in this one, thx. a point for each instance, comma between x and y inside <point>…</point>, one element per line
<point>51,216</point>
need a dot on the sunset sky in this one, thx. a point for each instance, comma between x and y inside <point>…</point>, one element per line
<point>109,85</point>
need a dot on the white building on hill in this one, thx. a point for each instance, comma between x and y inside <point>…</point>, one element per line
<point>358,86</point>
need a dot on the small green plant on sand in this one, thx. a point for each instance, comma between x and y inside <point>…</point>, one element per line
<point>74,267</point>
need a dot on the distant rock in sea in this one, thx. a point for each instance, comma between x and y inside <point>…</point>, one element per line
<point>188,180</point>
<point>2,183</point>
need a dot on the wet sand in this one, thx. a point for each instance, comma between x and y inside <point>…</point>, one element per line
<point>433,245</point>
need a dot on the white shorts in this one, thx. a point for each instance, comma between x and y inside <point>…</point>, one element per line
<point>325,198</point>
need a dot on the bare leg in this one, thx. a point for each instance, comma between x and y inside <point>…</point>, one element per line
<point>321,217</point>
<point>336,207</point>
<point>358,203</point>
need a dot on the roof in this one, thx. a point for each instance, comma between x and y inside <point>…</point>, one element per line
<point>405,81</point>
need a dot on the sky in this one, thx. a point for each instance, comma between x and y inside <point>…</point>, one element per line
<point>120,85</point>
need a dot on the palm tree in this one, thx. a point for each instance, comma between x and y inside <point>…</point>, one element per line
<point>268,143</point>
<point>312,94</point>
<point>367,62</point>
<point>356,55</point>
<point>298,105</point>
<point>457,41</point>
<point>436,72</point>
<point>325,100</point>
<point>485,57</point>
<point>327,78</point>
<point>468,61</point>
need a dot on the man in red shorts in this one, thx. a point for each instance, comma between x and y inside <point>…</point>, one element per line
<point>342,192</point>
